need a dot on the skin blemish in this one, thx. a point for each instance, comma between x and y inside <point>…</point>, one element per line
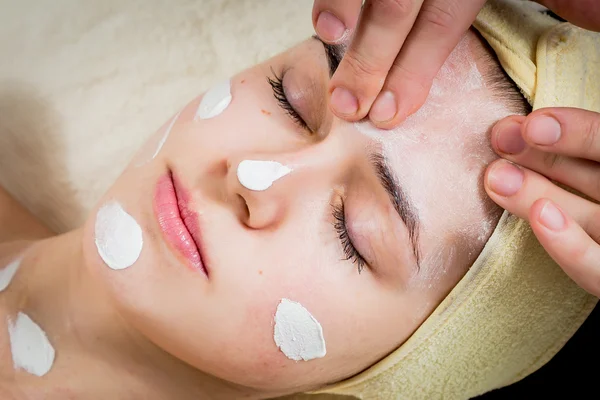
<point>265,112</point>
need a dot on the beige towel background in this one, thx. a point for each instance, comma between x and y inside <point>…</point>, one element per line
<point>84,82</point>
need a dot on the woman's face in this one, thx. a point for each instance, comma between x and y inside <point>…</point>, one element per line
<point>369,260</point>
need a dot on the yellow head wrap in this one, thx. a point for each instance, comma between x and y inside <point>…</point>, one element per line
<point>515,308</point>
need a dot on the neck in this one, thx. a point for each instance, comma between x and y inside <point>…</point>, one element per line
<point>92,341</point>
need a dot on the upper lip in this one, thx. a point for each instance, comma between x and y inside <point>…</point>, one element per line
<point>179,222</point>
<point>184,212</point>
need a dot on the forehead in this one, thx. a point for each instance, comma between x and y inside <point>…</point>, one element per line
<point>439,154</point>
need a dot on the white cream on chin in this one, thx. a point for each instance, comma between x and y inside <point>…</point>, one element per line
<point>30,347</point>
<point>297,333</point>
<point>260,175</point>
<point>215,101</point>
<point>8,272</point>
<point>118,236</point>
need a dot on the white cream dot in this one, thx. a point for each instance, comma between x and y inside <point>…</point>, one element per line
<point>118,236</point>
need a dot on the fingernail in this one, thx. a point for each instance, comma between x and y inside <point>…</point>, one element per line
<point>329,27</point>
<point>509,139</point>
<point>344,102</point>
<point>543,130</point>
<point>384,108</point>
<point>505,178</point>
<point>551,217</point>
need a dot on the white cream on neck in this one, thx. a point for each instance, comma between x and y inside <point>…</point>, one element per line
<point>297,333</point>
<point>215,101</point>
<point>7,273</point>
<point>31,350</point>
<point>260,175</point>
<point>118,236</point>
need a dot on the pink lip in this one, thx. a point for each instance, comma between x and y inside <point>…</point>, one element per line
<point>178,222</point>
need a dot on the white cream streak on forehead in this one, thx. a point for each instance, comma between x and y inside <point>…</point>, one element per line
<point>8,272</point>
<point>215,101</point>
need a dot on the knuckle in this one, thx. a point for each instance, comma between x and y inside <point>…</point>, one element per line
<point>551,161</point>
<point>395,9</point>
<point>590,225</point>
<point>364,66</point>
<point>590,136</point>
<point>399,73</point>
<point>440,14</point>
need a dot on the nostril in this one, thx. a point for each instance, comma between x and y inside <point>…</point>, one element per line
<point>245,209</point>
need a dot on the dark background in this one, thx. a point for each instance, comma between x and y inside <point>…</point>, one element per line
<point>573,372</point>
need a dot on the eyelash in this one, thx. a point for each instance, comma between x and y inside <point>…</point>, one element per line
<point>339,214</point>
<point>279,93</point>
<point>350,252</point>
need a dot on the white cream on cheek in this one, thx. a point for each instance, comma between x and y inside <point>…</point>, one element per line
<point>215,101</point>
<point>30,347</point>
<point>297,333</point>
<point>260,175</point>
<point>8,273</point>
<point>118,236</point>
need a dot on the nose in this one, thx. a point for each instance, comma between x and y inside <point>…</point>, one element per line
<point>259,183</point>
<point>270,188</point>
<point>259,175</point>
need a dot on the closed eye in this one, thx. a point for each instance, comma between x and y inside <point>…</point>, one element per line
<point>276,83</point>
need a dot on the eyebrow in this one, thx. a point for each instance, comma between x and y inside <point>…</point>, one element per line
<point>334,53</point>
<point>403,205</point>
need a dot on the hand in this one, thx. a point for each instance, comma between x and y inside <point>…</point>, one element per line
<point>562,144</point>
<point>398,47</point>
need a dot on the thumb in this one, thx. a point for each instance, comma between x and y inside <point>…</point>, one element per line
<point>583,13</point>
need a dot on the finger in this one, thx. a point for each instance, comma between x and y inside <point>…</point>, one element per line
<point>334,20</point>
<point>567,243</point>
<point>583,13</point>
<point>383,26</point>
<point>438,29</point>
<point>568,131</point>
<point>579,174</point>
<point>516,188</point>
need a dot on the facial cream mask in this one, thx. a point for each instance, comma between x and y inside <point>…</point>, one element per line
<point>215,101</point>
<point>8,272</point>
<point>118,236</point>
<point>165,135</point>
<point>260,175</point>
<point>297,333</point>
<point>30,347</point>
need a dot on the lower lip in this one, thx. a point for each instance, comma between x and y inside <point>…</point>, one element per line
<point>177,221</point>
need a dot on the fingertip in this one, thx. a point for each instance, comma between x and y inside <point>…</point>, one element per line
<point>384,109</point>
<point>330,28</point>
<point>542,130</point>
<point>507,136</point>
<point>549,215</point>
<point>344,104</point>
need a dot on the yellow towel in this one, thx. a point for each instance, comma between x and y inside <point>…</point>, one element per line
<point>515,308</point>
